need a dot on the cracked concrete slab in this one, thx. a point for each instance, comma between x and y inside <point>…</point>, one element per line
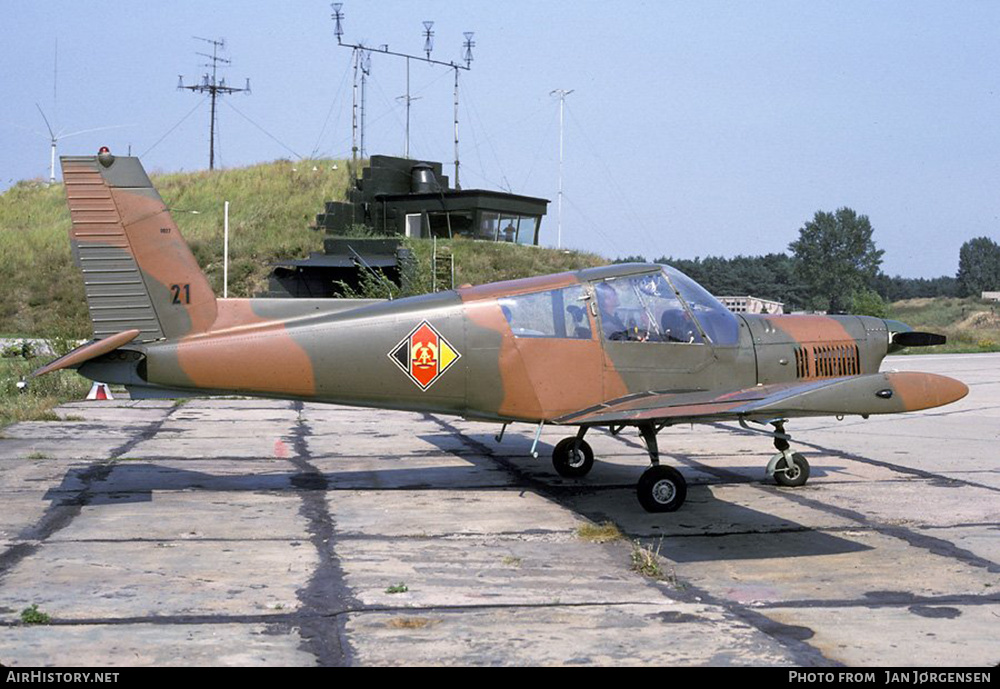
<point>620,635</point>
<point>153,645</point>
<point>837,565</point>
<point>471,571</point>
<point>421,514</point>
<point>166,516</point>
<point>87,580</point>
<point>905,635</point>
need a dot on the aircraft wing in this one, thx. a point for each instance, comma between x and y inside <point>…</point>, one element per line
<point>876,393</point>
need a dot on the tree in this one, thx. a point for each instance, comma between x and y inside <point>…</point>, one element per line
<point>867,302</point>
<point>979,267</point>
<point>770,277</point>
<point>835,257</point>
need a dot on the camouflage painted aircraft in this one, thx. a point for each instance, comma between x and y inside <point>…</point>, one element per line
<point>635,345</point>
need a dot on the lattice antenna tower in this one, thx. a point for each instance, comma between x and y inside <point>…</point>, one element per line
<point>215,87</point>
<point>363,53</point>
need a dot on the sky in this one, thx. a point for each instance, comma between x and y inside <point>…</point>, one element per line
<point>693,129</point>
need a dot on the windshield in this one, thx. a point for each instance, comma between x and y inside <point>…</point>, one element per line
<point>644,308</point>
<point>718,322</point>
<point>664,306</point>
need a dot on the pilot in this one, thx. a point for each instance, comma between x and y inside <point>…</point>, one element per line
<point>611,323</point>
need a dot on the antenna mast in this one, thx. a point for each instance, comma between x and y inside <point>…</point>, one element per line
<point>408,99</point>
<point>365,60</point>
<point>214,87</point>
<point>561,94</point>
<point>428,34</point>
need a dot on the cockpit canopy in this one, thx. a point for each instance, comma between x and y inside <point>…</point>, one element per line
<point>659,306</point>
<point>663,306</point>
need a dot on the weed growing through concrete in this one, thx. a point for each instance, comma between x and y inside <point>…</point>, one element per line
<point>33,615</point>
<point>605,532</point>
<point>646,562</point>
<point>397,588</point>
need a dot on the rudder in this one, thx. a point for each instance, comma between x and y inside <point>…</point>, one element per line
<point>138,271</point>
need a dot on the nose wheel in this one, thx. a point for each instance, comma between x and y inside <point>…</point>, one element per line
<point>788,468</point>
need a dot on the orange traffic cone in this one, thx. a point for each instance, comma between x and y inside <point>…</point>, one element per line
<point>99,391</point>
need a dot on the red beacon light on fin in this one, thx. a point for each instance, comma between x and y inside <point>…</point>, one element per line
<point>104,156</point>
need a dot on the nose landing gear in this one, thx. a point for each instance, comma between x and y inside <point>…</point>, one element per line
<point>788,468</point>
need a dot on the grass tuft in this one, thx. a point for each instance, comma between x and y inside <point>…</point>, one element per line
<point>645,561</point>
<point>605,532</point>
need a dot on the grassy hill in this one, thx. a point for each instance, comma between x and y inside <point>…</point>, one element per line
<point>271,207</point>
<point>972,325</point>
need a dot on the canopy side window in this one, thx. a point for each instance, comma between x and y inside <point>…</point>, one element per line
<point>559,313</point>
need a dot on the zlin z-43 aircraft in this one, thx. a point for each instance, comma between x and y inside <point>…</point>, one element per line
<point>633,345</point>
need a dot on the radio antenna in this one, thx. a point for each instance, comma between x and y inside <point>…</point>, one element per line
<point>214,87</point>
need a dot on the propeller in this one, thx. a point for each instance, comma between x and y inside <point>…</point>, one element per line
<point>913,338</point>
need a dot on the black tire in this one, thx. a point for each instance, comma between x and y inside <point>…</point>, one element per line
<point>572,460</point>
<point>661,489</point>
<point>793,476</point>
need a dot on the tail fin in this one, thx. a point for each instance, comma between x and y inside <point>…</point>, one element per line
<point>138,272</point>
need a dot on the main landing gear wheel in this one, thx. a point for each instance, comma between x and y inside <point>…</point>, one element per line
<point>573,458</point>
<point>792,474</point>
<point>661,489</point>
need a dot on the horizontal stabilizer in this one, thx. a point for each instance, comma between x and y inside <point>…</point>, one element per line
<point>88,351</point>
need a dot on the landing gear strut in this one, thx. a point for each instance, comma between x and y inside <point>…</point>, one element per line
<point>660,488</point>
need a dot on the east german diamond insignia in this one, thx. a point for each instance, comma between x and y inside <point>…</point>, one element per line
<point>424,355</point>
